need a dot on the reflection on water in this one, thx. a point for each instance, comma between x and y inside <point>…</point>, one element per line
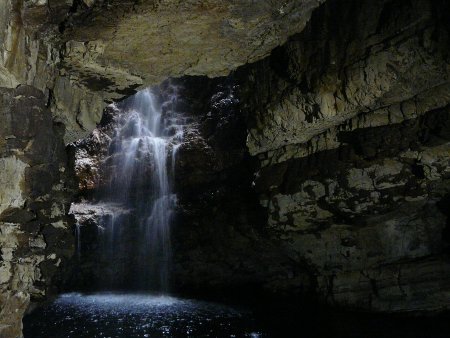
<point>142,315</point>
<point>137,315</point>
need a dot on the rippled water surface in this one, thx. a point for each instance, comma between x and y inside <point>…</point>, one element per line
<point>141,315</point>
<point>136,315</point>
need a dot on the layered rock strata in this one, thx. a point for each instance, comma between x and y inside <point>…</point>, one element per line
<point>348,157</point>
<point>350,126</point>
<point>35,232</point>
<point>321,169</point>
<point>60,65</point>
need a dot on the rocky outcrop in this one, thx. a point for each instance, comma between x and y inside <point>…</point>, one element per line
<point>106,44</point>
<point>35,231</point>
<point>379,71</point>
<point>85,54</point>
<point>350,126</point>
<point>109,41</point>
<point>371,225</point>
<point>30,54</point>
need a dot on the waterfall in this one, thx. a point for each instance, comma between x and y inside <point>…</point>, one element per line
<point>142,154</point>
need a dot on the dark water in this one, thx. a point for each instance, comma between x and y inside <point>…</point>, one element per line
<point>137,315</point>
<point>141,315</point>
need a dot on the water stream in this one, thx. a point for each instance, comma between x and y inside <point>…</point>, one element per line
<point>141,162</point>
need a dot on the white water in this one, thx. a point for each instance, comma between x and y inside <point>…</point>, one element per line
<point>144,153</point>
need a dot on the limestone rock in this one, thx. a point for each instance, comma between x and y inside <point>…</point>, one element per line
<point>11,180</point>
<point>366,227</point>
<point>299,107</point>
<point>14,305</point>
<point>345,114</point>
<point>352,144</point>
<point>32,162</point>
<point>194,38</point>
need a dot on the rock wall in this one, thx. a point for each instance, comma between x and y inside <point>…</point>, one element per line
<point>85,54</point>
<point>221,243</point>
<point>350,126</point>
<point>35,231</point>
<point>111,48</point>
<point>322,169</point>
<point>60,64</point>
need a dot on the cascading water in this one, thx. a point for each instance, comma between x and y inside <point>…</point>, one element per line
<point>123,237</point>
<point>142,152</point>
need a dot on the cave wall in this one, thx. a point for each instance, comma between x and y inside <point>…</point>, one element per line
<point>61,63</point>
<point>349,122</point>
<point>221,243</point>
<point>108,49</point>
<point>347,154</point>
<point>35,232</point>
<point>322,168</point>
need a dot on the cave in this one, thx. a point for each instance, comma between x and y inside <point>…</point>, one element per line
<point>224,168</point>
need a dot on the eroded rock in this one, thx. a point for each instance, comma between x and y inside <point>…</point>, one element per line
<point>34,196</point>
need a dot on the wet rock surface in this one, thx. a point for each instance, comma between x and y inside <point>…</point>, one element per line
<point>35,231</point>
<point>218,238</point>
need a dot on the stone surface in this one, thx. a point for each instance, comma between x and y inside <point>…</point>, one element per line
<point>85,54</point>
<point>332,72</point>
<point>191,38</point>
<point>14,305</point>
<point>354,195</point>
<point>359,227</point>
<point>106,47</point>
<point>35,234</point>
<point>350,194</point>
<point>13,175</point>
<point>342,192</point>
<point>344,137</point>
